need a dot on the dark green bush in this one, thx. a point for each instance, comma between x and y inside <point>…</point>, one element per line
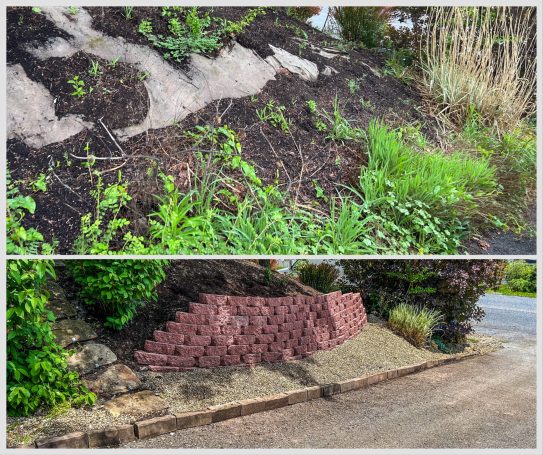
<point>322,277</point>
<point>521,276</point>
<point>364,24</point>
<point>117,288</point>
<point>37,372</point>
<point>451,287</point>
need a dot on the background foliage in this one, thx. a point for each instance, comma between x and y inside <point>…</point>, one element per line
<point>448,286</point>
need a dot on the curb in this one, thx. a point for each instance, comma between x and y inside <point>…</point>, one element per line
<point>145,429</point>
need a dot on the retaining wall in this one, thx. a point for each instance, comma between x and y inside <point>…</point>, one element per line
<point>227,330</point>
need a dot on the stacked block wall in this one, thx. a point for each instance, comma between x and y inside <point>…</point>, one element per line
<point>227,330</point>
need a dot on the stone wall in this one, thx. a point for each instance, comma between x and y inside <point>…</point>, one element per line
<point>228,330</point>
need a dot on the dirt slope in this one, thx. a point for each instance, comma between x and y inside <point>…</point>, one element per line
<point>299,160</point>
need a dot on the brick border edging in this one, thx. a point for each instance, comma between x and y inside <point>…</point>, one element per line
<point>157,426</point>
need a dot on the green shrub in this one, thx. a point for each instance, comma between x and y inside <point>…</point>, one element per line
<point>521,276</point>
<point>322,276</point>
<point>415,324</point>
<point>364,24</point>
<point>117,288</point>
<point>37,372</point>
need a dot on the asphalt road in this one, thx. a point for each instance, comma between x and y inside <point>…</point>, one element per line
<point>482,402</point>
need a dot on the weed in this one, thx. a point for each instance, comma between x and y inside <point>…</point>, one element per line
<point>312,106</point>
<point>367,104</point>
<point>320,126</point>
<point>73,10</point>
<point>340,128</point>
<point>78,86</point>
<point>36,10</point>
<point>94,69</point>
<point>145,27</point>
<point>274,115</point>
<point>113,62</point>
<point>423,195</point>
<point>398,65</point>
<point>40,184</point>
<point>128,12</point>
<point>353,86</point>
<point>143,75</point>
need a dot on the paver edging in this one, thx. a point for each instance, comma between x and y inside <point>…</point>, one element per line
<point>148,428</point>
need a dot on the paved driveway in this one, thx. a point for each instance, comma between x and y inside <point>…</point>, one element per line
<point>483,402</point>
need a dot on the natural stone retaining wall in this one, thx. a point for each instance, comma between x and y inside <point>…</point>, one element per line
<point>227,330</point>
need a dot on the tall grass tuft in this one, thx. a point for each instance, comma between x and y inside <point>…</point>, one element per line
<point>415,324</point>
<point>481,58</point>
<point>445,185</point>
<point>322,277</point>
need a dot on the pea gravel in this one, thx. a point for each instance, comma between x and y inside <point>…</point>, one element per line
<point>375,349</point>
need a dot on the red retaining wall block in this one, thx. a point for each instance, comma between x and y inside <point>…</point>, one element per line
<point>230,330</point>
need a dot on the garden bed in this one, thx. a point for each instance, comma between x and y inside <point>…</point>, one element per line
<point>307,167</point>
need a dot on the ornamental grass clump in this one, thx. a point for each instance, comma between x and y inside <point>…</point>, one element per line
<point>415,324</point>
<point>481,58</point>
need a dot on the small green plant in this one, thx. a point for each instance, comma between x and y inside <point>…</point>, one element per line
<point>274,115</point>
<point>94,69</point>
<point>40,184</point>
<point>367,104</point>
<point>21,240</point>
<point>145,27</point>
<point>398,65</point>
<point>322,277</point>
<point>36,10</point>
<point>312,106</point>
<point>415,324</point>
<point>113,62</point>
<point>78,86</point>
<point>96,235</point>
<point>353,85</point>
<point>37,373</point>
<point>117,288</point>
<point>340,128</point>
<point>143,75</point>
<point>128,12</point>
<point>73,10</point>
<point>321,126</point>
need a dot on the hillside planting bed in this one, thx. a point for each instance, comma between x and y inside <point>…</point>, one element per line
<point>283,122</point>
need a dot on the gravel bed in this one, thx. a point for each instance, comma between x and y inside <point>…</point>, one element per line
<point>375,349</point>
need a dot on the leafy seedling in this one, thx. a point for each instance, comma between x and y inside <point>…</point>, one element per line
<point>78,86</point>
